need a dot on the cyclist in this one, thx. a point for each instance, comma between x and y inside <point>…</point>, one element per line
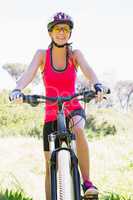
<point>58,65</point>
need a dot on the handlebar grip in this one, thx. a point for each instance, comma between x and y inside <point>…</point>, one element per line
<point>88,96</point>
<point>105,90</point>
<point>31,99</point>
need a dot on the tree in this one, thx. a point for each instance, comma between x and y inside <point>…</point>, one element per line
<point>124,91</point>
<point>17,69</point>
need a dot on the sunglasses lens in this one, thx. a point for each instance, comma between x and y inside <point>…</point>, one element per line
<point>67,30</point>
<point>59,29</point>
<point>56,30</point>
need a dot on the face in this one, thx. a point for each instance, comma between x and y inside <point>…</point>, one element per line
<point>60,33</point>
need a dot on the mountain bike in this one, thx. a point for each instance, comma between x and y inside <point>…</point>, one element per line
<point>64,169</point>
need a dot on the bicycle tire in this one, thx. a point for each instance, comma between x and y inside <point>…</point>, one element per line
<point>65,189</point>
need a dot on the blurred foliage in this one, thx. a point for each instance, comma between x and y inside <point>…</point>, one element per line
<point>18,119</point>
<point>114,196</point>
<point>13,195</point>
<point>98,130</point>
<point>25,120</point>
<point>18,195</point>
<point>107,121</point>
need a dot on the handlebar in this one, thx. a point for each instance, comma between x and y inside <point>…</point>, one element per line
<point>86,96</point>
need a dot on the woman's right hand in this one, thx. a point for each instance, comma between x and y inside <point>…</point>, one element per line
<point>16,96</point>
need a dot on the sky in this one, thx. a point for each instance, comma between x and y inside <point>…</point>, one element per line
<point>103,32</point>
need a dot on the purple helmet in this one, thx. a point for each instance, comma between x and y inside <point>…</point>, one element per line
<point>59,18</point>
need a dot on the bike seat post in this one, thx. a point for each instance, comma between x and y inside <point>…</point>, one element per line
<point>51,139</point>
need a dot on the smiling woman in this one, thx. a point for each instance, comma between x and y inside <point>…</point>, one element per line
<point>59,64</point>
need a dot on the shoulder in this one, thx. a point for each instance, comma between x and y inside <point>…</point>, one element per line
<point>77,53</point>
<point>41,57</point>
<point>77,56</point>
<point>40,54</point>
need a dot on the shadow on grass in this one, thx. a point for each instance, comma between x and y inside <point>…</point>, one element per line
<point>13,195</point>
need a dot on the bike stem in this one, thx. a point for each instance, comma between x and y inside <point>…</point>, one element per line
<point>61,125</point>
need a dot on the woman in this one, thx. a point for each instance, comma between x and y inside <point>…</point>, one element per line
<point>59,65</point>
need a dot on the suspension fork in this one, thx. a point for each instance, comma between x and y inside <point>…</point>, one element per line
<point>76,176</point>
<point>75,172</point>
<point>53,175</point>
<point>53,170</point>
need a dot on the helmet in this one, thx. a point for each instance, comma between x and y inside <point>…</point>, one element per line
<point>58,18</point>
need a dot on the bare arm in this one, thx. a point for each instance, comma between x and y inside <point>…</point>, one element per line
<point>37,61</point>
<point>85,68</point>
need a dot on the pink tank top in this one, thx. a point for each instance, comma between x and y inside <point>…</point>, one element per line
<point>59,83</point>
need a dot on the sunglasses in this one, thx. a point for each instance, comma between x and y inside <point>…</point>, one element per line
<point>65,29</point>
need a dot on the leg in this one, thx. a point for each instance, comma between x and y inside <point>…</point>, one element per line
<point>83,155</point>
<point>47,176</point>
<point>82,146</point>
<point>47,129</point>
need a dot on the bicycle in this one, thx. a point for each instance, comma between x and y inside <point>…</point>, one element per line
<point>64,169</point>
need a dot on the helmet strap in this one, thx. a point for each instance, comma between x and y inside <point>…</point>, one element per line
<point>59,46</point>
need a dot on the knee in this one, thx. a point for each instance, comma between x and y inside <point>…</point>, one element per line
<point>78,131</point>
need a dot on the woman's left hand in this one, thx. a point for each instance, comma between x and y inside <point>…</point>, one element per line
<point>99,96</point>
<point>99,92</point>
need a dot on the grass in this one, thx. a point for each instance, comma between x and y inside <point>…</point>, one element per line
<point>115,196</point>
<point>13,195</point>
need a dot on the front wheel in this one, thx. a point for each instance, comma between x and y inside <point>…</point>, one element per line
<point>65,189</point>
